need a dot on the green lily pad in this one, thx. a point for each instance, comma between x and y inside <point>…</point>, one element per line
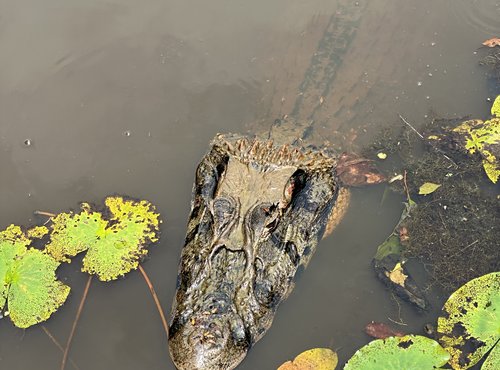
<point>492,362</point>
<point>313,359</point>
<point>28,282</point>
<point>411,352</point>
<point>115,245</point>
<point>470,326</point>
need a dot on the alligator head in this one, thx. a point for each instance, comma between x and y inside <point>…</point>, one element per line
<point>257,214</point>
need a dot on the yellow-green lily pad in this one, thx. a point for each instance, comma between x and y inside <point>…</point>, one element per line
<point>495,108</point>
<point>313,359</point>
<point>114,244</point>
<point>470,326</point>
<point>428,188</point>
<point>28,284</point>
<point>483,138</point>
<point>411,352</point>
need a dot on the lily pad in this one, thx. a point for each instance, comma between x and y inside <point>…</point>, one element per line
<point>483,138</point>
<point>428,188</point>
<point>470,326</point>
<point>28,282</point>
<point>313,359</point>
<point>114,245</point>
<point>411,352</point>
<point>495,108</point>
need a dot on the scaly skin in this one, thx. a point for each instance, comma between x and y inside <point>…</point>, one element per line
<point>257,216</point>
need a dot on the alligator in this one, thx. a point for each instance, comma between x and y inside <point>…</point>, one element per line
<point>260,206</point>
<point>258,213</point>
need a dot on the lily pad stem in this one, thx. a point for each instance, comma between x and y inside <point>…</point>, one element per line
<point>58,345</point>
<point>73,328</point>
<point>155,297</point>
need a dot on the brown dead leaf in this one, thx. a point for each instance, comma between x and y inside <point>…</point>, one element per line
<point>491,43</point>
<point>403,234</point>
<point>357,171</point>
<point>380,330</point>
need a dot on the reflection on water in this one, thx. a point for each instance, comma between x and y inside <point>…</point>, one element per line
<point>123,97</point>
<point>482,15</point>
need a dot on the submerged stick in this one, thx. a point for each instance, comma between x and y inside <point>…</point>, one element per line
<point>73,328</point>
<point>423,138</point>
<point>410,126</point>
<point>58,345</point>
<point>155,298</point>
<point>43,213</point>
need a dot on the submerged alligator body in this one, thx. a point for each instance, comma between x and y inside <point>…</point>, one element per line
<point>259,209</point>
<point>258,213</point>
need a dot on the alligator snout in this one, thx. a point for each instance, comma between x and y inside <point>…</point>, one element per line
<point>209,340</point>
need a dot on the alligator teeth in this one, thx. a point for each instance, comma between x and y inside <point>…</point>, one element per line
<point>254,148</point>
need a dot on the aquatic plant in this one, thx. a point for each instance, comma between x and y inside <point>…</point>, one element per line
<point>410,352</point>
<point>28,283</point>
<point>483,137</point>
<point>313,359</point>
<point>114,244</point>
<point>470,325</point>
<point>495,108</point>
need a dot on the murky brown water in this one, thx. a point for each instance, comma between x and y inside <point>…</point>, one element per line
<point>124,97</point>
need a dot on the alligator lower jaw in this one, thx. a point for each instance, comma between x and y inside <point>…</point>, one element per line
<point>257,214</point>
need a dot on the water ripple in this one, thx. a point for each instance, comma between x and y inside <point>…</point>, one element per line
<point>482,15</point>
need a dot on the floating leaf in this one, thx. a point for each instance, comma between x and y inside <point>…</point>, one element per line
<point>313,359</point>
<point>391,245</point>
<point>75,233</point>
<point>495,108</point>
<point>484,138</point>
<point>115,246</point>
<point>492,362</point>
<point>28,280</point>
<point>470,326</point>
<point>491,43</point>
<point>380,330</point>
<point>382,155</point>
<point>428,188</point>
<point>397,275</point>
<point>411,352</point>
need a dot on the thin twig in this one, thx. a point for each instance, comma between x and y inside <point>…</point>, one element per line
<point>410,126</point>
<point>58,345</point>
<point>73,328</point>
<point>464,248</point>
<point>397,322</point>
<point>43,213</point>
<point>406,187</point>
<point>155,298</point>
<point>422,137</point>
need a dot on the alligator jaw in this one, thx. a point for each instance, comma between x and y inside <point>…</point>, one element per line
<point>257,214</point>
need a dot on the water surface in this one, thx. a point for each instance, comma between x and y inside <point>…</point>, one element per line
<point>124,97</point>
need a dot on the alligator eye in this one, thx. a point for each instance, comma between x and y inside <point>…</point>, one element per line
<point>223,211</point>
<point>294,185</point>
